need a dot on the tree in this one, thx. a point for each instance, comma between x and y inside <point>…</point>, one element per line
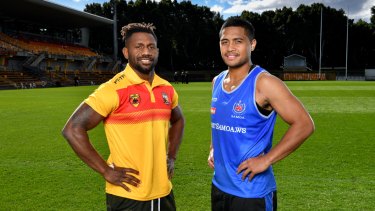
<point>94,8</point>
<point>188,34</point>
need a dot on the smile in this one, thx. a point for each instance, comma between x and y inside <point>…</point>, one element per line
<point>231,56</point>
<point>145,61</point>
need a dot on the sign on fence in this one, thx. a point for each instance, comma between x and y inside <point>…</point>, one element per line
<point>370,74</point>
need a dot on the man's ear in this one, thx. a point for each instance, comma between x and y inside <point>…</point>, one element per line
<point>253,44</point>
<point>125,52</point>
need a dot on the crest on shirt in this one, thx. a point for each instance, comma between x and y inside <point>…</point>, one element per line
<point>213,110</point>
<point>165,98</point>
<point>135,99</point>
<point>239,107</point>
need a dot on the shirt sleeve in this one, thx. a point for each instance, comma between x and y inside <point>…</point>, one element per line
<point>103,100</point>
<point>174,99</point>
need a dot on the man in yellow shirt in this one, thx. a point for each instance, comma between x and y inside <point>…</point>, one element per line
<point>143,124</point>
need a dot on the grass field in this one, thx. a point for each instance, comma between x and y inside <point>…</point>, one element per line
<point>333,170</point>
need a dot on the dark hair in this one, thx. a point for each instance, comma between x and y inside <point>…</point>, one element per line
<point>237,21</point>
<point>131,28</point>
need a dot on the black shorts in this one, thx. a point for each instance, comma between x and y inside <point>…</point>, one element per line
<point>166,203</point>
<point>221,201</point>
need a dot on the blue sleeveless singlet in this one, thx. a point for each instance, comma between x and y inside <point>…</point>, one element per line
<point>240,132</point>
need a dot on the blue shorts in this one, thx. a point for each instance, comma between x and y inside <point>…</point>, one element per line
<point>221,201</point>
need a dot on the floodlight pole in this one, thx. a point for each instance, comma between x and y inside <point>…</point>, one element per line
<point>320,45</point>
<point>115,44</point>
<point>347,42</point>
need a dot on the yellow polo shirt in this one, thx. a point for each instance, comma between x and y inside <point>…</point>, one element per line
<point>136,124</point>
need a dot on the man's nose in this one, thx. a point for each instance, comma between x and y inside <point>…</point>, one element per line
<point>231,46</point>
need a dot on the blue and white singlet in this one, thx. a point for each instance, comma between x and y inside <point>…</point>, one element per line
<point>240,132</point>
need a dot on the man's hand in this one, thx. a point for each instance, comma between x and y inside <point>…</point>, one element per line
<point>170,168</point>
<point>253,166</point>
<point>210,159</point>
<point>118,176</point>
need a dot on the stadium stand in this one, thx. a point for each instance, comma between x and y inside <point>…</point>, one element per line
<point>38,46</point>
<point>18,79</point>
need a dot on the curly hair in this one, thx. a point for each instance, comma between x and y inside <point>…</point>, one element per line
<point>131,28</point>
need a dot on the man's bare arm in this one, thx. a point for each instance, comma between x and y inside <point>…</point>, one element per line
<point>176,132</point>
<point>291,110</point>
<point>75,130</point>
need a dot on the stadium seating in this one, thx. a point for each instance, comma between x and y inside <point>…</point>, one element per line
<point>38,47</point>
<point>52,63</point>
<point>8,47</point>
<point>34,48</point>
<point>13,79</point>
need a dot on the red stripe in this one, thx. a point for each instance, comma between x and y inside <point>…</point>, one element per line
<point>139,117</point>
<point>144,99</point>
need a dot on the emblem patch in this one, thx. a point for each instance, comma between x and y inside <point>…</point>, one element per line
<point>239,107</point>
<point>213,110</point>
<point>135,99</point>
<point>165,98</point>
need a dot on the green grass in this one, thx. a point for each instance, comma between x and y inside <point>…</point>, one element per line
<point>333,170</point>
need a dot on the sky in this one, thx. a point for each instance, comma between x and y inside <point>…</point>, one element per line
<point>357,9</point>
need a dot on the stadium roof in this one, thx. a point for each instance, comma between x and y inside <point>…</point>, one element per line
<point>46,12</point>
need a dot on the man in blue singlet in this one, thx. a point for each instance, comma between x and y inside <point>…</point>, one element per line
<point>245,101</point>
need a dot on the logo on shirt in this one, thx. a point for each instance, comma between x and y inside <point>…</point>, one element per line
<point>165,98</point>
<point>119,78</point>
<point>227,128</point>
<point>135,99</point>
<point>213,110</point>
<point>239,107</point>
